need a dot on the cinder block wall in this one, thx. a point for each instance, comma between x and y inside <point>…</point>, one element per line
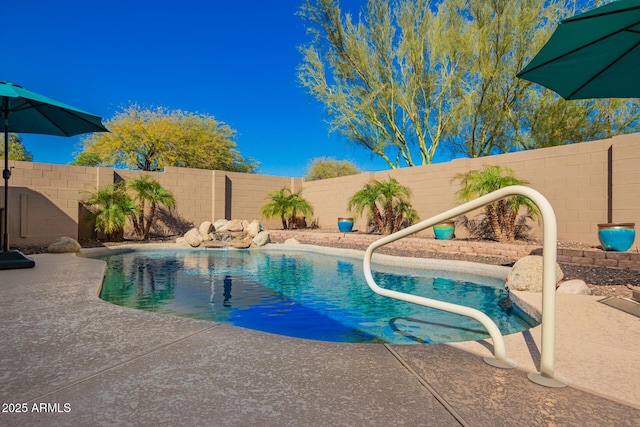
<point>585,183</point>
<point>574,178</point>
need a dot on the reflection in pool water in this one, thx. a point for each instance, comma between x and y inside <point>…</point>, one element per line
<point>305,295</point>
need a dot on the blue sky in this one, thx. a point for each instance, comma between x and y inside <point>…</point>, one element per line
<point>235,60</point>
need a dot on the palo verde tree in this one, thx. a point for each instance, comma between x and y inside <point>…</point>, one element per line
<point>406,78</point>
<point>324,167</point>
<point>150,140</point>
<point>17,150</point>
<point>382,82</point>
<point>499,112</point>
<point>388,204</point>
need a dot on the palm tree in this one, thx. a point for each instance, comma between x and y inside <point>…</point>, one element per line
<point>502,215</point>
<point>286,205</point>
<point>110,207</point>
<point>387,202</point>
<point>149,194</point>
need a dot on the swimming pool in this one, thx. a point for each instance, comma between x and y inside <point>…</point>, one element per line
<point>305,295</point>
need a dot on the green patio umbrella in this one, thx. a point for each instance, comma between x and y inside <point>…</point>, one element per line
<point>592,55</point>
<point>23,111</point>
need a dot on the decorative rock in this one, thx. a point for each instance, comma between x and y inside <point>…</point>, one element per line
<point>261,239</point>
<point>235,225</point>
<point>181,241</point>
<point>193,237</point>
<point>205,230</point>
<point>64,245</point>
<point>526,274</point>
<point>220,225</point>
<point>291,241</point>
<point>241,244</point>
<point>253,228</point>
<point>574,287</point>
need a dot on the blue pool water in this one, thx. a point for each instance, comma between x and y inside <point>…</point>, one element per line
<point>305,295</point>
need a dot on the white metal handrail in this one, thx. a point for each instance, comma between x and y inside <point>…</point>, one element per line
<point>549,250</point>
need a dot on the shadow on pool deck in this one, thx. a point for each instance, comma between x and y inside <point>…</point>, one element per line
<point>118,366</point>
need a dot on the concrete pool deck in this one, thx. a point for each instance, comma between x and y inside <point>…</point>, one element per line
<point>95,363</point>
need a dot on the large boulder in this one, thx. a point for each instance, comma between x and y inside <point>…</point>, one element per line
<point>261,239</point>
<point>220,225</point>
<point>64,244</point>
<point>241,243</point>
<point>574,287</point>
<point>253,228</point>
<point>205,230</point>
<point>235,225</point>
<point>193,237</point>
<point>526,274</point>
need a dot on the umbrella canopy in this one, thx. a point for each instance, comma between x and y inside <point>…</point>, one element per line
<point>23,111</point>
<point>28,112</point>
<point>592,55</point>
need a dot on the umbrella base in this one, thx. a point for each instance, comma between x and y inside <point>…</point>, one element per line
<point>13,259</point>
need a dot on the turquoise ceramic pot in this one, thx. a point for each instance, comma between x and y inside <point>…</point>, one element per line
<point>616,237</point>
<point>444,230</point>
<point>345,225</point>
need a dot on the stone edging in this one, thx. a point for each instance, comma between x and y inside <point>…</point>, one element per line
<point>592,257</point>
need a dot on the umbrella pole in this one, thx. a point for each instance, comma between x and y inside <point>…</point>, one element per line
<point>6,174</point>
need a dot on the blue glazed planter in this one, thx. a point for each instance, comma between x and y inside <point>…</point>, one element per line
<point>345,225</point>
<point>444,230</point>
<point>616,237</point>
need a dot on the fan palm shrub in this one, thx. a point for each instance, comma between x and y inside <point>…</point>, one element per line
<point>286,204</point>
<point>149,195</point>
<point>502,216</point>
<point>388,204</point>
<point>110,207</point>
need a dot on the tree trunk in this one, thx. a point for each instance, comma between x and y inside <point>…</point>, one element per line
<point>493,221</point>
<point>398,222</point>
<point>389,218</point>
<point>149,220</point>
<point>377,218</point>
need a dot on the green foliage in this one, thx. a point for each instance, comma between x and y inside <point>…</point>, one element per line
<point>388,205</point>
<point>149,194</point>
<point>502,215</point>
<point>382,84</point>
<point>404,79</point>
<point>87,159</point>
<point>17,150</point>
<point>323,168</point>
<point>150,140</point>
<point>110,207</point>
<point>287,205</point>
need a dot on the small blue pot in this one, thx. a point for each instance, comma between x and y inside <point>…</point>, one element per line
<point>616,237</point>
<point>345,225</point>
<point>444,230</point>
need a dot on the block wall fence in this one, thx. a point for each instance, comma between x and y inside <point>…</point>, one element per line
<point>586,183</point>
